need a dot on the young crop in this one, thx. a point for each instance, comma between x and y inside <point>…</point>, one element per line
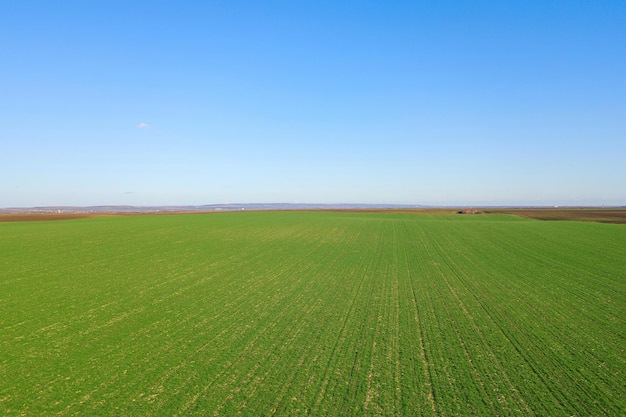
<point>312,313</point>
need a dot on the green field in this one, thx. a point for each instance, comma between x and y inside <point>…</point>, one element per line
<point>312,313</point>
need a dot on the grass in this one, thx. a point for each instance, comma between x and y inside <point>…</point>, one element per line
<point>312,313</point>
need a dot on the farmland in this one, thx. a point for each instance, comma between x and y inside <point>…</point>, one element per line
<point>312,313</point>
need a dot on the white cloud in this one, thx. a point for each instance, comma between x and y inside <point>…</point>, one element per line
<point>143,125</point>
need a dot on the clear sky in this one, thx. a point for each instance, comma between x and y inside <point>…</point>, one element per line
<point>413,102</point>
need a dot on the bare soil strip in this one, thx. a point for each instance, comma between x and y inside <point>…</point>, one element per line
<point>612,215</point>
<point>41,217</point>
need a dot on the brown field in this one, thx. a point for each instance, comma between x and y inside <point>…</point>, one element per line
<point>609,215</point>
<point>40,217</point>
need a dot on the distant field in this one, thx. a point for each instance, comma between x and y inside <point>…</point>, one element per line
<point>602,215</point>
<point>611,215</point>
<point>312,313</point>
<point>40,217</point>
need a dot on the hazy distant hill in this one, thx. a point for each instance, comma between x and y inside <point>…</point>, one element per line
<point>207,207</point>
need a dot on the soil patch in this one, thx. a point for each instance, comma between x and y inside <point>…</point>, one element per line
<point>41,217</point>
<point>609,215</point>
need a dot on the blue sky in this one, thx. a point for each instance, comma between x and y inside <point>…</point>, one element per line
<point>416,102</point>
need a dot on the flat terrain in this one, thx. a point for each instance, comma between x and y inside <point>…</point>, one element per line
<point>312,313</point>
<point>40,217</point>
<point>574,214</point>
<point>602,215</point>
